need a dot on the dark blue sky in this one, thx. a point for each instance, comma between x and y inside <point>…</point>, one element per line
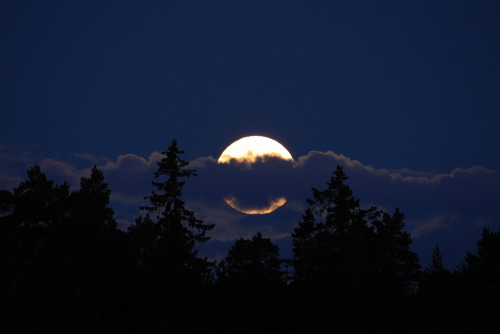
<point>393,84</point>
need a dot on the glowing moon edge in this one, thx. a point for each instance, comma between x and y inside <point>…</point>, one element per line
<point>248,149</point>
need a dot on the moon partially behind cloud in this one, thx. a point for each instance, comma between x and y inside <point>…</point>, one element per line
<point>249,149</point>
<point>258,155</point>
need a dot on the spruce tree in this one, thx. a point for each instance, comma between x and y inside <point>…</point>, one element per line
<point>482,269</point>
<point>338,243</point>
<point>397,266</point>
<point>331,240</point>
<point>91,203</point>
<point>88,257</point>
<point>178,230</point>
<point>437,260</point>
<point>28,215</point>
<point>351,261</point>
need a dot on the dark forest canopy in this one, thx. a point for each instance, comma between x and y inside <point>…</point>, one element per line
<point>64,264</point>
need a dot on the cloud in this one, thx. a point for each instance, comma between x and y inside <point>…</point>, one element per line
<point>129,177</point>
<point>91,158</point>
<point>429,224</point>
<point>250,158</point>
<point>15,159</point>
<point>447,208</point>
<point>202,162</point>
<point>132,162</point>
<point>9,180</point>
<point>127,199</point>
<point>63,171</point>
<point>405,175</point>
<point>16,153</point>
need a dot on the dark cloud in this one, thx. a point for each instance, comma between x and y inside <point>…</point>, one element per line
<point>448,209</point>
<point>15,159</point>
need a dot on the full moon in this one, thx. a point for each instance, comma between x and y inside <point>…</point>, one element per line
<point>259,165</point>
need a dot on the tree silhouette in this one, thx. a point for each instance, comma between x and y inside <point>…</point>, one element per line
<point>172,275</point>
<point>28,214</point>
<point>252,262</point>
<point>437,260</point>
<point>467,299</point>
<point>482,270</point>
<point>91,203</point>
<point>330,241</point>
<point>178,230</point>
<point>486,261</point>
<point>65,265</point>
<point>437,296</point>
<point>143,235</point>
<point>251,284</point>
<point>348,259</point>
<point>38,204</point>
<point>396,265</point>
<point>85,259</point>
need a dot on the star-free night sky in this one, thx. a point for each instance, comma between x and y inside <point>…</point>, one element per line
<point>404,94</point>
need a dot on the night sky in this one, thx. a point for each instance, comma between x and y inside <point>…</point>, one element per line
<point>404,94</point>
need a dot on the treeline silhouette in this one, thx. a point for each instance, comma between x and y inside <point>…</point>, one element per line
<point>66,267</point>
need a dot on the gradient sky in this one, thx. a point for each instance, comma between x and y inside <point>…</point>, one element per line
<point>405,94</point>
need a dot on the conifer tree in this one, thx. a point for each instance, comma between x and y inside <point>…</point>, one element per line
<point>36,206</point>
<point>28,214</point>
<point>251,286</point>
<point>482,269</point>
<point>91,203</point>
<point>351,261</point>
<point>397,265</point>
<point>252,262</point>
<point>330,242</point>
<point>437,260</point>
<point>345,250</point>
<point>88,255</point>
<point>178,230</point>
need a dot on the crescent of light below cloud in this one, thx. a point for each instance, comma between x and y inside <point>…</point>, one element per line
<point>273,205</point>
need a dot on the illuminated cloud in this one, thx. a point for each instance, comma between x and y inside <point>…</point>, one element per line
<point>202,162</point>
<point>132,162</point>
<point>448,209</point>
<point>406,175</point>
